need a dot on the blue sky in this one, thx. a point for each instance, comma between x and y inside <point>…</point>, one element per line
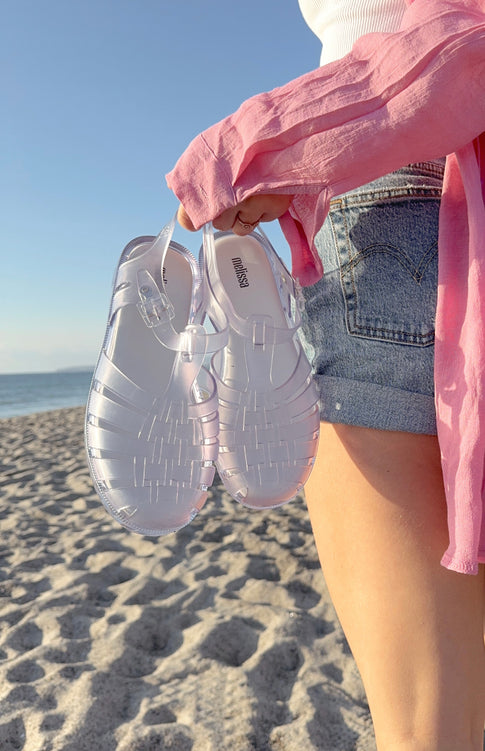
<point>99,98</point>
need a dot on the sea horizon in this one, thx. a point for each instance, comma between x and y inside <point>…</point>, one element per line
<point>67,369</point>
<point>29,393</point>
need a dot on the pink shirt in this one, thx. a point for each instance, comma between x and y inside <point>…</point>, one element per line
<point>396,98</point>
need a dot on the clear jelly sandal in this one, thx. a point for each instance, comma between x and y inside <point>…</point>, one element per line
<point>152,413</point>
<point>268,402</point>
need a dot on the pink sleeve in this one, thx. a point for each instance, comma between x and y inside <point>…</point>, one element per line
<point>397,98</point>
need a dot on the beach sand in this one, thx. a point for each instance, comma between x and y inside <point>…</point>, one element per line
<point>219,637</point>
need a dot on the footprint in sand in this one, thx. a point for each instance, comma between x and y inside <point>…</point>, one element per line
<point>155,589</point>
<point>75,651</point>
<point>211,571</point>
<point>12,735</point>
<point>307,629</point>
<point>23,694</point>
<point>305,597</point>
<point>260,567</point>
<point>159,716</point>
<point>276,672</point>
<point>52,722</point>
<point>333,672</point>
<point>157,633</point>
<point>272,683</point>
<point>27,671</point>
<point>26,637</point>
<point>76,623</point>
<point>24,593</point>
<point>169,738</point>
<point>232,642</point>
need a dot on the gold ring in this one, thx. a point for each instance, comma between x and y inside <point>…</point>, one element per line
<point>247,226</point>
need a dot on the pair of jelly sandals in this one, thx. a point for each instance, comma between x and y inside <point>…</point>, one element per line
<point>200,368</point>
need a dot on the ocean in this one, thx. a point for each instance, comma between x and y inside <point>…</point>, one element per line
<point>24,393</point>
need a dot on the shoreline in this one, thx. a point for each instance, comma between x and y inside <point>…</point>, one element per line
<point>223,632</point>
<point>42,412</point>
<point>26,394</point>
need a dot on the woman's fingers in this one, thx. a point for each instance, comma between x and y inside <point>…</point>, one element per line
<point>184,219</point>
<point>227,219</point>
<point>244,217</point>
<point>247,214</point>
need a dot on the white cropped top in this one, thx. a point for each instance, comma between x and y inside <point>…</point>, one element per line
<point>339,23</point>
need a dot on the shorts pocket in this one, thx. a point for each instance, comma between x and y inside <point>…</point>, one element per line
<point>387,248</point>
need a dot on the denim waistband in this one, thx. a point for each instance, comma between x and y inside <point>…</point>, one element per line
<point>409,179</point>
<point>433,168</point>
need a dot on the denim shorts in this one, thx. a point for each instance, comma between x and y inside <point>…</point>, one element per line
<point>368,324</point>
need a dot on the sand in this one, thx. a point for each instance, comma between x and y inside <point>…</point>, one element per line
<point>219,637</point>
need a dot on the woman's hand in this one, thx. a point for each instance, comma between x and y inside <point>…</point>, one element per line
<point>244,217</point>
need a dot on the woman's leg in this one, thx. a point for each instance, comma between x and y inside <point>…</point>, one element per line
<point>378,513</point>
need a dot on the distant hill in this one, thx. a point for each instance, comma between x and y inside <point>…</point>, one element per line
<point>77,369</point>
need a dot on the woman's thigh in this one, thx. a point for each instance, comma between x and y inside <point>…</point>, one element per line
<point>378,513</point>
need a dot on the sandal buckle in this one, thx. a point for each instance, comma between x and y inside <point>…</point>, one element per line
<point>154,306</point>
